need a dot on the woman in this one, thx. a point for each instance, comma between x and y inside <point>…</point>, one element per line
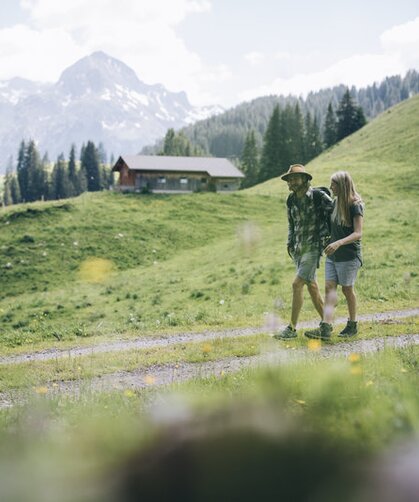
<point>344,256</point>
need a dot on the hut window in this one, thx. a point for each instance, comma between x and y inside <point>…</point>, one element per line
<point>162,180</point>
<point>203,180</point>
<point>183,181</point>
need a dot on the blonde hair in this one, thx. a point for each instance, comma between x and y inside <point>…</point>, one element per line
<point>346,196</point>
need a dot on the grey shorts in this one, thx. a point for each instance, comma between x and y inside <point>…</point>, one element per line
<point>342,272</point>
<point>306,265</point>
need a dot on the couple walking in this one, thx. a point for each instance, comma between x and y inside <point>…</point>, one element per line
<point>318,224</point>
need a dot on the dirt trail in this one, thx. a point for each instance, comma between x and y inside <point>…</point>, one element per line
<point>180,372</point>
<point>166,340</point>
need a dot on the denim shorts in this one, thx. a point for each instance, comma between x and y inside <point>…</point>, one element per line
<point>306,265</point>
<point>342,272</point>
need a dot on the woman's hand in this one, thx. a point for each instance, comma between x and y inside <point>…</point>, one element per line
<point>332,247</point>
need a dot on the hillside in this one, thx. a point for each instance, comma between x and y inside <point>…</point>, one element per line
<point>382,157</point>
<point>111,265</point>
<point>108,302</point>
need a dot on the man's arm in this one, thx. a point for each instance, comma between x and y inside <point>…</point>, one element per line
<point>290,242</point>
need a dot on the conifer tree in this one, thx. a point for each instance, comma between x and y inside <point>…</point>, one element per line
<point>176,145</point>
<point>249,161</point>
<point>72,173</point>
<point>313,144</point>
<point>271,153</point>
<point>82,180</point>
<point>22,172</point>
<point>350,117</point>
<point>61,188</point>
<point>103,157</point>
<point>293,131</point>
<point>90,163</point>
<point>36,175</point>
<point>7,196</point>
<point>169,143</point>
<point>15,190</point>
<point>330,126</point>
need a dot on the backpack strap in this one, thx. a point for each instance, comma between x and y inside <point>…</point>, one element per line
<point>317,198</point>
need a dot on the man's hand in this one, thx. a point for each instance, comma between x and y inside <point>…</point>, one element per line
<point>331,248</point>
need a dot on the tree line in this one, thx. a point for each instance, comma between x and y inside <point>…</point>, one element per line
<point>33,179</point>
<point>224,135</point>
<point>290,138</point>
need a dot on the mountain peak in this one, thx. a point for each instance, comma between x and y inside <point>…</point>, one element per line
<point>98,98</point>
<point>95,73</point>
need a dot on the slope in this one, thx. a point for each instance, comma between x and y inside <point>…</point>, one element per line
<point>382,156</point>
<point>202,260</point>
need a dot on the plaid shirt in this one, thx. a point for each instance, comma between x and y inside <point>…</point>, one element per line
<point>306,231</point>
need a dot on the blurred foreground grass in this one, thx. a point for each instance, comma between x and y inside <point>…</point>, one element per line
<point>308,429</point>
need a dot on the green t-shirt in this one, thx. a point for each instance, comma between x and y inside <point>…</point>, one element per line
<point>349,251</point>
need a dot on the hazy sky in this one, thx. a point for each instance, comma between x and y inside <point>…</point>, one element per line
<point>218,51</point>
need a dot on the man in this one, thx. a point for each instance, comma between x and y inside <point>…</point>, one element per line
<point>308,232</point>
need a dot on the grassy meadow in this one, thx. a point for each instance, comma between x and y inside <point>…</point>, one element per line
<point>105,266</point>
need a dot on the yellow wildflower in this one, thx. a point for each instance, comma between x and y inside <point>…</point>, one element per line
<point>41,390</point>
<point>354,357</point>
<point>314,345</point>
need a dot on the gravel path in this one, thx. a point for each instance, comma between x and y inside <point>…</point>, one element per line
<point>180,372</point>
<point>167,340</point>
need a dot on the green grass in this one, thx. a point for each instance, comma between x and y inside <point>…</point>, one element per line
<point>176,263</point>
<point>223,283</point>
<point>190,262</point>
<point>107,267</point>
<point>356,406</point>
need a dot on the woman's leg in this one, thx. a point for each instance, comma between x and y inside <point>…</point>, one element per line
<point>330,301</point>
<point>350,296</point>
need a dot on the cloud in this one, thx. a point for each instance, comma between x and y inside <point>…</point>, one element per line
<point>254,58</point>
<point>403,42</point>
<point>142,34</point>
<point>400,52</point>
<point>282,55</point>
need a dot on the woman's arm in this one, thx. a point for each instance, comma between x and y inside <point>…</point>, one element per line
<point>356,235</point>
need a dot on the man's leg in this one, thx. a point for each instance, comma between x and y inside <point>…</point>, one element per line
<point>350,296</point>
<point>316,297</point>
<point>297,299</point>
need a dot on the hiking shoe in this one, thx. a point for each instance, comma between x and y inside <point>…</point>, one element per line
<point>286,334</point>
<point>323,332</point>
<point>351,329</point>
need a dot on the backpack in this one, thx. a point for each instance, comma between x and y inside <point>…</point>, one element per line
<point>317,198</point>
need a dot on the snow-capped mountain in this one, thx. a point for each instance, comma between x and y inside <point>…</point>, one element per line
<point>98,98</point>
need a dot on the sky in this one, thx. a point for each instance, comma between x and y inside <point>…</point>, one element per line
<point>218,51</point>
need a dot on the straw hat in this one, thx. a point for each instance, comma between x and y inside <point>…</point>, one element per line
<point>296,169</point>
